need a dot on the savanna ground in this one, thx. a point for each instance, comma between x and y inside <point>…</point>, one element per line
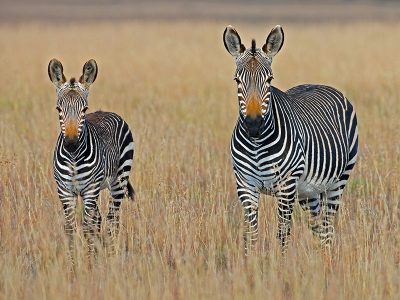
<point>181,238</point>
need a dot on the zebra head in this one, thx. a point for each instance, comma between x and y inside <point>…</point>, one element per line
<point>253,76</point>
<point>72,100</point>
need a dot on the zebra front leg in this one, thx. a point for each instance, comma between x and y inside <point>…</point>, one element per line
<point>249,199</point>
<point>250,234</point>
<point>313,208</point>
<point>68,201</point>
<point>91,221</point>
<point>286,198</point>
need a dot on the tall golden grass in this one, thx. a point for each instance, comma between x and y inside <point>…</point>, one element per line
<point>181,238</point>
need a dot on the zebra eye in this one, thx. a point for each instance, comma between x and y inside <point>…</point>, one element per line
<point>59,109</point>
<point>84,109</point>
<point>237,80</point>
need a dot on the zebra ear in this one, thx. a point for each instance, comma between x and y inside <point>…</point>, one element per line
<point>274,41</point>
<point>56,74</point>
<point>89,73</point>
<point>232,41</point>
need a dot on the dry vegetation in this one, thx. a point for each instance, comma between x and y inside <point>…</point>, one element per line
<point>172,82</point>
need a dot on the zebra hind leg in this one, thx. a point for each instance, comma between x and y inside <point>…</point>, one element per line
<point>331,202</point>
<point>313,208</point>
<point>331,199</point>
<point>117,195</point>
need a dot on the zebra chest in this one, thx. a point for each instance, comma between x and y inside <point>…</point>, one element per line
<point>267,169</point>
<point>75,182</point>
<point>83,175</point>
<point>259,171</point>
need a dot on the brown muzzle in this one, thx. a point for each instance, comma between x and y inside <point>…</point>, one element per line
<point>71,135</point>
<point>253,120</point>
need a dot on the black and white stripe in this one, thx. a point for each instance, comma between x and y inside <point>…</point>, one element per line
<point>93,152</point>
<point>303,147</point>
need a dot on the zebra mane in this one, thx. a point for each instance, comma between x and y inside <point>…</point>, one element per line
<point>253,46</point>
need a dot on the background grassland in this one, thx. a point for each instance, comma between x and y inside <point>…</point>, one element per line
<point>181,238</point>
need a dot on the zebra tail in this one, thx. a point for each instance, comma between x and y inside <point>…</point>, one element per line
<point>131,192</point>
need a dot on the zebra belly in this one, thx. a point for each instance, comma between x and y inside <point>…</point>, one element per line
<point>312,183</point>
<point>312,189</point>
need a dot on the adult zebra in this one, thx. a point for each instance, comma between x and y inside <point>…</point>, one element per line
<point>301,143</point>
<point>93,152</point>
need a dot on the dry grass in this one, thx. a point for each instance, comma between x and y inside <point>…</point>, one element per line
<point>181,239</point>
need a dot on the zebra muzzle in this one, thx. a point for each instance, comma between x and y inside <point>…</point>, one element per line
<point>253,125</point>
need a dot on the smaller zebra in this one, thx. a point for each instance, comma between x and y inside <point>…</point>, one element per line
<point>93,151</point>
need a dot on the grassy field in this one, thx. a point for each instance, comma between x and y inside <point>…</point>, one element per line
<point>181,238</point>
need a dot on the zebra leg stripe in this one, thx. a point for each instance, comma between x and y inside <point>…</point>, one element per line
<point>331,202</point>
<point>313,207</point>
<point>117,195</point>
<point>286,199</point>
<point>68,201</point>
<point>250,235</point>
<point>91,221</point>
<point>249,199</point>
